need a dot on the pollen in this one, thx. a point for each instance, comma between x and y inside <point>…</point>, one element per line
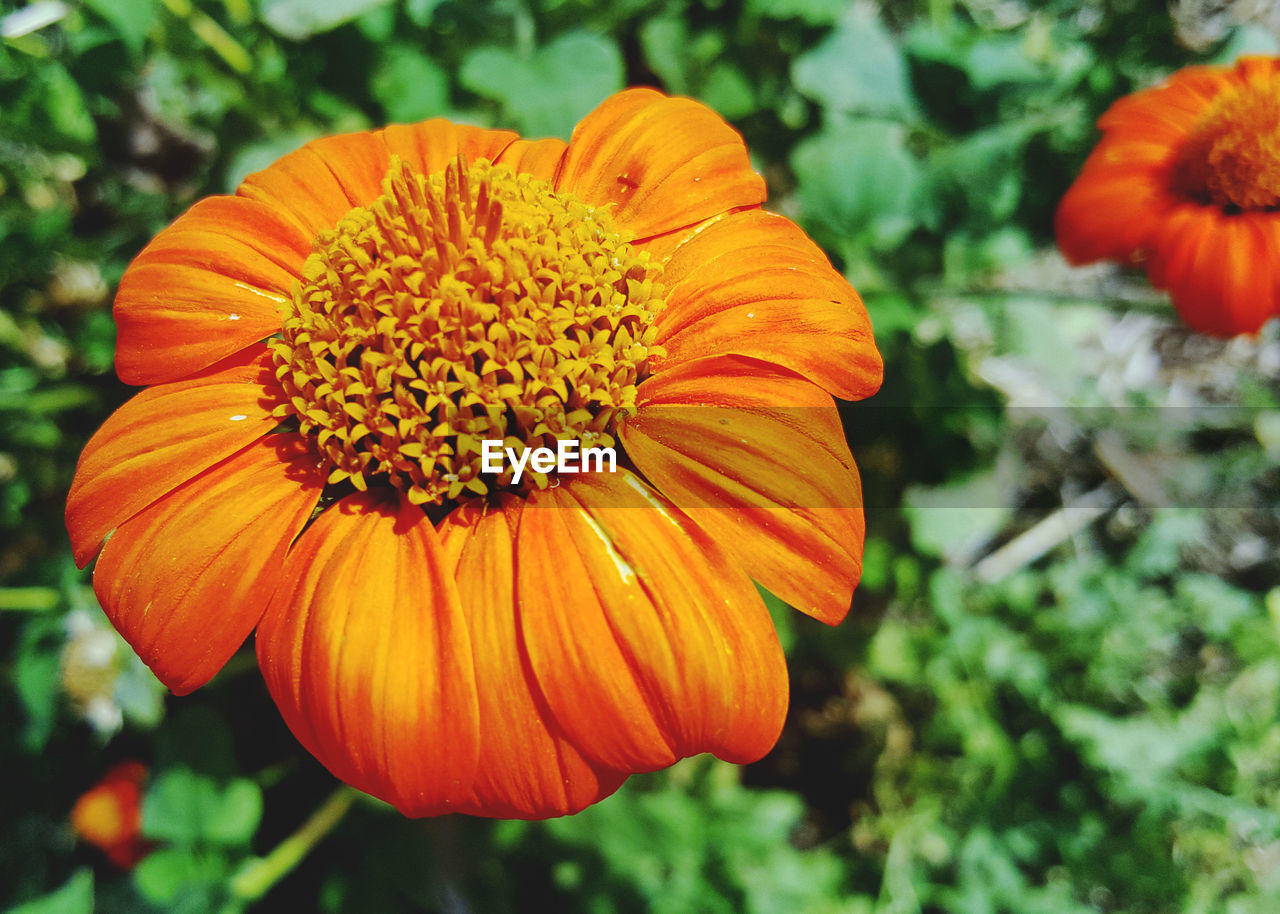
<point>1232,157</point>
<point>469,305</point>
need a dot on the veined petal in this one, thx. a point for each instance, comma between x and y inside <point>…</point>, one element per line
<point>317,185</point>
<point>1135,201</point>
<point>1220,270</point>
<point>753,284</point>
<point>662,163</point>
<point>429,146</point>
<point>757,457</point>
<point>527,768</point>
<point>209,285</point>
<point>643,656</point>
<point>365,650</point>
<point>164,436</point>
<point>540,158</point>
<point>186,580</point>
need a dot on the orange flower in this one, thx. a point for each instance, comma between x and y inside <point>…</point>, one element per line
<point>438,636</point>
<point>109,814</point>
<point>1186,181</point>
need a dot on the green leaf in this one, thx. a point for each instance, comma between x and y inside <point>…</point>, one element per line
<point>857,69</point>
<point>546,94</point>
<point>950,521</point>
<point>300,19</point>
<point>75,897</point>
<point>239,811</point>
<point>859,183</point>
<point>186,809</point>
<point>665,42</point>
<point>131,19</point>
<point>409,86</point>
<point>811,12</point>
<point>728,91</point>
<point>421,11</point>
<point>985,171</point>
<point>998,60</point>
<point>64,105</point>
<point>179,878</point>
<point>37,678</point>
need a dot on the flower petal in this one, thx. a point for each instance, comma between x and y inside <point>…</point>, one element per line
<point>648,643</point>
<point>1134,199</point>
<point>164,436</point>
<point>753,284</point>
<point>1219,269</point>
<point>365,650</point>
<point>527,768</point>
<point>207,286</point>
<point>317,185</point>
<point>540,158</point>
<point>662,163</point>
<point>429,146</point>
<point>757,457</point>
<point>186,580</point>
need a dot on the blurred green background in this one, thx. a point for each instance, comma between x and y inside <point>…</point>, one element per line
<point>1059,687</point>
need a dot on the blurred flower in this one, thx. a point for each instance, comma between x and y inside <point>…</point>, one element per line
<point>327,348</point>
<point>90,667</point>
<point>109,814</point>
<point>1186,182</point>
<point>106,683</point>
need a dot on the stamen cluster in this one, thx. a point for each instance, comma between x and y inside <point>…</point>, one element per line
<point>1232,158</point>
<point>474,304</point>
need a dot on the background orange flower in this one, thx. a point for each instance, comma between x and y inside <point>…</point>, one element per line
<point>109,814</point>
<point>1186,183</point>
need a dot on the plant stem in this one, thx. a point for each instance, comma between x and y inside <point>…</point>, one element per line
<point>257,877</point>
<point>29,599</point>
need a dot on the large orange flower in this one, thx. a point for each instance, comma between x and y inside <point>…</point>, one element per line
<point>1186,181</point>
<point>325,350</point>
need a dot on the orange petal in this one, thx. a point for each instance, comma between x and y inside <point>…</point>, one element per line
<point>365,650</point>
<point>540,158</point>
<point>753,284</point>
<point>757,457</point>
<point>207,286</point>
<point>429,146</point>
<point>648,643</point>
<point>662,163</point>
<point>1112,213</point>
<point>527,768</point>
<point>317,185</point>
<point>186,580</point>
<point>164,436</point>
<point>1218,268</point>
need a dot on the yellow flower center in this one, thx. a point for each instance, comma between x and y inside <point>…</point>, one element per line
<point>474,304</point>
<point>1232,157</point>
<point>99,817</point>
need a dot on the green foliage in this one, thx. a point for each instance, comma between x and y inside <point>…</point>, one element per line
<point>549,90</point>
<point>185,809</point>
<point>856,69</point>
<point>697,843</point>
<point>300,19</point>
<point>75,897</point>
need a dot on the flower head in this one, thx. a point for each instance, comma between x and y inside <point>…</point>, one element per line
<point>109,814</point>
<point>327,350</point>
<point>1186,181</point>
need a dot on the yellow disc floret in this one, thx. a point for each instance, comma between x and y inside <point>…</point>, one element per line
<point>1232,157</point>
<point>470,305</point>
